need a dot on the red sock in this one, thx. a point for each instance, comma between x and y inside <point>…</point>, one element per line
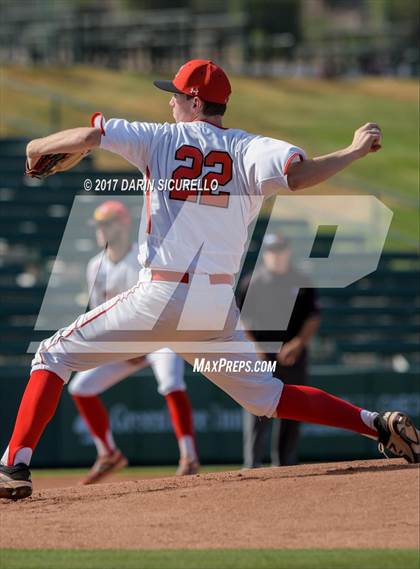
<point>37,408</point>
<point>180,410</point>
<point>312,405</point>
<point>95,414</point>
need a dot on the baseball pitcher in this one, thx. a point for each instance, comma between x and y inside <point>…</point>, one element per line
<point>191,241</point>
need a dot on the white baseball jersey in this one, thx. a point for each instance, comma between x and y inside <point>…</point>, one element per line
<point>178,226</point>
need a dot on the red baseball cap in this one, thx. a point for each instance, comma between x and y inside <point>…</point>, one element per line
<point>202,78</point>
<point>112,210</point>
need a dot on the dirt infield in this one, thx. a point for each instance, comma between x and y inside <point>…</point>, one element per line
<point>361,504</point>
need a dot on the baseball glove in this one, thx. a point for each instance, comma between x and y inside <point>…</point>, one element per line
<point>52,163</point>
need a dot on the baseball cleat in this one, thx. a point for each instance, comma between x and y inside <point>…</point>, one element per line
<point>398,434</point>
<point>104,466</point>
<point>187,467</point>
<point>15,481</point>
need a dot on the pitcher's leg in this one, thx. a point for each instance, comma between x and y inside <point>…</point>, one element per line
<point>240,374</point>
<point>261,394</point>
<point>312,405</point>
<point>109,333</point>
<point>36,409</point>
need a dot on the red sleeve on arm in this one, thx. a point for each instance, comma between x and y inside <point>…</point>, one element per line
<point>97,120</point>
<point>290,160</point>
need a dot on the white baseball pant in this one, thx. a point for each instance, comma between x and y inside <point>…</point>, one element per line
<point>145,318</point>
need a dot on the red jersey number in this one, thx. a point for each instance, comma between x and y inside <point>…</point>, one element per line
<point>207,196</point>
<point>187,172</point>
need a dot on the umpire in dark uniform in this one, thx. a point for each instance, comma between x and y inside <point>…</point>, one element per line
<point>269,297</point>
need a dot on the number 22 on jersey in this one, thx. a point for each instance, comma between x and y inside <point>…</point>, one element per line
<point>205,196</point>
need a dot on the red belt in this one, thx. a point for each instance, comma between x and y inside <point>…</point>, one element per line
<point>174,276</point>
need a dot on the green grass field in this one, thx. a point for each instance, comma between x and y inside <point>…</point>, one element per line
<point>318,115</point>
<point>210,559</point>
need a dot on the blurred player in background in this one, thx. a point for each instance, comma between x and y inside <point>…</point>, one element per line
<point>271,289</point>
<point>108,274</point>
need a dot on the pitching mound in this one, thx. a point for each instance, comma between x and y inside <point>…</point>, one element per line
<point>359,504</point>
